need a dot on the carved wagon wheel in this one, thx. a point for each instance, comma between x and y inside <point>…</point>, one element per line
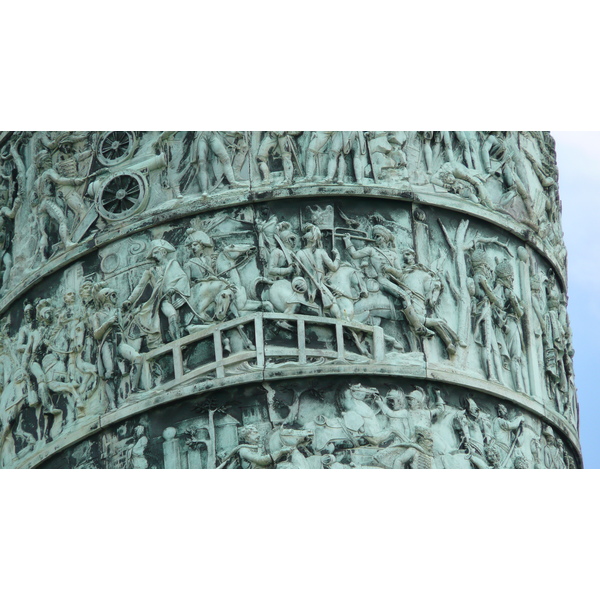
<point>115,147</point>
<point>122,195</point>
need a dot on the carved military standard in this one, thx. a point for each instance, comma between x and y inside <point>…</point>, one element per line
<point>283,299</point>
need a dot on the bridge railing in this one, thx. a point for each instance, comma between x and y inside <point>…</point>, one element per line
<point>204,352</point>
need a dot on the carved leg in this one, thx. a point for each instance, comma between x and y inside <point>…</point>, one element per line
<point>341,168</point>
<point>428,157</point>
<point>264,169</point>
<point>288,168</point>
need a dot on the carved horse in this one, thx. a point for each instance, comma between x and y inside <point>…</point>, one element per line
<point>231,262</point>
<point>12,403</point>
<point>225,292</point>
<point>291,438</point>
<point>357,304</point>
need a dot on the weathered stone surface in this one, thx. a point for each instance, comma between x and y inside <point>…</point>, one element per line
<point>289,299</point>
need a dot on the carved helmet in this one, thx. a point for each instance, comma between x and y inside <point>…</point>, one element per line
<point>419,396</point>
<point>43,311</point>
<point>504,269</point>
<point>286,233</point>
<point>480,259</point>
<point>472,407</point>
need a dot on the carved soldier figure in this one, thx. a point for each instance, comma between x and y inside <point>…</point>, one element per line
<point>484,298</point>
<point>449,172</point>
<point>394,408</point>
<point>427,137</point>
<point>70,162</point>
<point>45,205</point>
<point>250,453</point>
<point>419,415</point>
<point>282,142</point>
<point>508,313</point>
<point>170,291</point>
<point>11,195</point>
<point>48,367</point>
<point>137,452</point>
<point>344,143</point>
<point>380,256</point>
<point>201,265</point>
<point>507,432</point>
<point>504,427</point>
<point>420,453</point>
<point>316,263</point>
<point>67,179</point>
<point>474,429</point>
<point>110,336</point>
<point>555,342</point>
<point>419,290</point>
<point>470,147</point>
<point>360,420</point>
<point>213,141</point>
<point>281,264</point>
<point>548,183</point>
<point>168,145</point>
<point>567,458</point>
<point>317,142</point>
<point>553,456</point>
<point>201,271</point>
<point>500,146</point>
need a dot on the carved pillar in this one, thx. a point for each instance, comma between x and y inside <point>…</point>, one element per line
<point>284,300</point>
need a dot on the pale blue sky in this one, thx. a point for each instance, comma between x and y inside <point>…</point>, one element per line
<point>579,173</point>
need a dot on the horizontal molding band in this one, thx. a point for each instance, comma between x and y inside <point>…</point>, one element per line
<point>432,374</point>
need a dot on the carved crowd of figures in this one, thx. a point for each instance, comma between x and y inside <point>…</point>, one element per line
<point>434,286</point>
<point>59,188</point>
<point>347,426</point>
<point>83,354</point>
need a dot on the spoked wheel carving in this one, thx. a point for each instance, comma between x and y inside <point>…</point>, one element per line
<point>115,147</point>
<point>122,195</point>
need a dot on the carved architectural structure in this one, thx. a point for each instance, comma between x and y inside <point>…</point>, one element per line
<point>283,299</point>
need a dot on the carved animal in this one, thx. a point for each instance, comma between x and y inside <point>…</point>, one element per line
<point>294,438</point>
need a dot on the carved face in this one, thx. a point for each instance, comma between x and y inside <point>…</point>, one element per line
<point>409,257</point>
<point>85,291</point>
<point>159,254</point>
<point>311,237</point>
<point>69,298</point>
<point>252,435</point>
<point>395,399</point>
<point>449,179</point>
<point>45,315</point>
<point>28,313</point>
